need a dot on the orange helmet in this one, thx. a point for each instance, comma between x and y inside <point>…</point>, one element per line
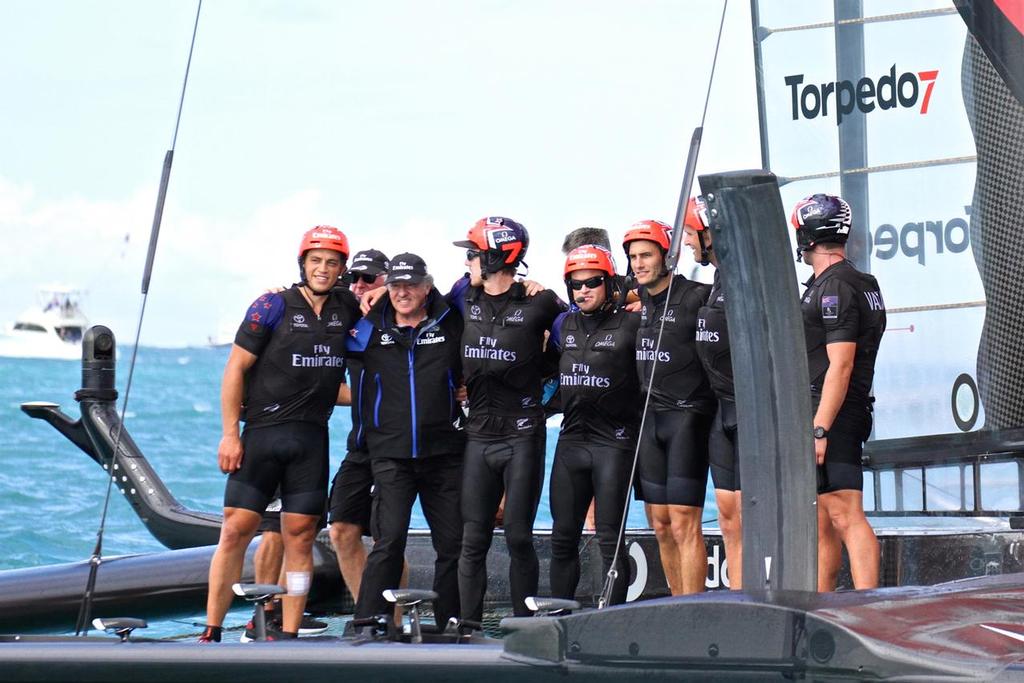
<point>324,237</point>
<point>501,243</point>
<point>650,230</point>
<point>590,257</point>
<point>696,214</point>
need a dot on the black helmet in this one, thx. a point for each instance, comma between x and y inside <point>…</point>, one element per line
<point>820,219</point>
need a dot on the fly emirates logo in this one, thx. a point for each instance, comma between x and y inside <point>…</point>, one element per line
<point>321,358</point>
<point>840,98</point>
<point>581,377</point>
<point>649,352</point>
<point>487,349</point>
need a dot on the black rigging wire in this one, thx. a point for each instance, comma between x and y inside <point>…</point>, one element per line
<point>85,609</point>
<point>671,259</point>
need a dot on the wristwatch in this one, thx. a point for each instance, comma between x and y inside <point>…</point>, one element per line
<point>820,432</point>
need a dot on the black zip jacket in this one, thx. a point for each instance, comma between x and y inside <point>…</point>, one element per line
<point>406,391</point>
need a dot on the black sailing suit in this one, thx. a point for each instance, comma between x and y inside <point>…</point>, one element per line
<point>289,394</point>
<point>601,403</point>
<point>844,305</point>
<point>673,463</point>
<point>714,351</point>
<point>505,366</point>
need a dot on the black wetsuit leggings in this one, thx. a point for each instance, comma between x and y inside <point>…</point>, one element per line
<point>513,467</point>
<point>582,472</point>
<point>436,480</point>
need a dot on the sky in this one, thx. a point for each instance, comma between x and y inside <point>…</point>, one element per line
<point>401,123</point>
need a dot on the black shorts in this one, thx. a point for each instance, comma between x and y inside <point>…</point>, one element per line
<point>292,455</point>
<point>723,449</point>
<point>351,499</point>
<point>271,522</point>
<point>673,466</point>
<point>844,469</point>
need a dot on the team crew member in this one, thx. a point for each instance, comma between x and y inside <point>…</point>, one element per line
<point>600,397</point>
<point>504,365</point>
<point>844,318</point>
<point>409,346</point>
<point>713,349</point>
<point>350,502</point>
<point>673,463</point>
<point>282,378</point>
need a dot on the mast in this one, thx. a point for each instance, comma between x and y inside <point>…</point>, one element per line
<point>853,142</point>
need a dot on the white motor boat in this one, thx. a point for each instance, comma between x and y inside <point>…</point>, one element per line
<point>52,329</point>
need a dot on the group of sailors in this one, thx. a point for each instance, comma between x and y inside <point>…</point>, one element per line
<point>450,394</point>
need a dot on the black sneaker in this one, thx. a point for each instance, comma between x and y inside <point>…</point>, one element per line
<point>210,635</point>
<point>311,626</point>
<point>249,634</point>
<point>275,634</point>
<point>308,627</point>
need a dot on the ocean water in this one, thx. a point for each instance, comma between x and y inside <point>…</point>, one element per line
<point>51,494</point>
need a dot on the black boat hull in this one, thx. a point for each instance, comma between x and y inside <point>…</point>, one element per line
<point>972,630</point>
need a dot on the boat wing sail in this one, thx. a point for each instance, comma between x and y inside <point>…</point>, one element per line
<point>911,110</point>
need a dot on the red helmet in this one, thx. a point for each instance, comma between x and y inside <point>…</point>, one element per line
<point>502,243</point>
<point>324,237</point>
<point>650,230</point>
<point>590,257</point>
<point>696,214</point>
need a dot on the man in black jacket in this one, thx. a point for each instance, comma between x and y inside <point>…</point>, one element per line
<point>409,346</point>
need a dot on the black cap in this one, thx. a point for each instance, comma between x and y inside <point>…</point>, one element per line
<point>370,262</point>
<point>408,269</point>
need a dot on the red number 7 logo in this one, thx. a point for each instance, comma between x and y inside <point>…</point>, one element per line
<point>515,248</point>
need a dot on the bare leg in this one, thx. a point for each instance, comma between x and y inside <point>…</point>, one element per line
<point>298,532</point>
<point>590,522</point>
<point>268,563</point>
<point>269,557</point>
<point>846,510</point>
<point>236,532</point>
<point>347,540</point>
<point>730,520</point>
<point>693,555</point>
<point>661,522</point>
<point>830,549</point>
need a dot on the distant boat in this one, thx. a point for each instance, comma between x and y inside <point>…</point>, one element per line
<point>52,329</point>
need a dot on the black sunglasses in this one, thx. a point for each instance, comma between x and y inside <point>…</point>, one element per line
<point>589,283</point>
<point>472,254</point>
<point>365,277</point>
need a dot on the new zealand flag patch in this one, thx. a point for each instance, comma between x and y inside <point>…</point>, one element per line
<point>830,307</point>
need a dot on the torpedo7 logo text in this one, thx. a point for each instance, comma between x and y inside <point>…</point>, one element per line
<point>840,97</point>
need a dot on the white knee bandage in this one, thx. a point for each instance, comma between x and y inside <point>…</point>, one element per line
<point>298,582</point>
